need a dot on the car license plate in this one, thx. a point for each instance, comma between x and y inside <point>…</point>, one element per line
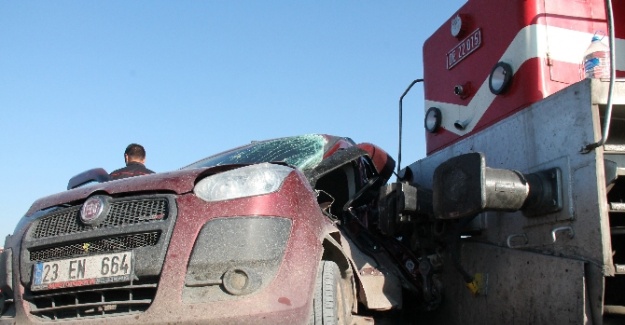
<point>82,271</point>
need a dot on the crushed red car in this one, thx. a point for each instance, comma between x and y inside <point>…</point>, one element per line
<point>273,232</point>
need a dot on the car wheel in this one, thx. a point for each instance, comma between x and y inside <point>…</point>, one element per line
<point>331,304</point>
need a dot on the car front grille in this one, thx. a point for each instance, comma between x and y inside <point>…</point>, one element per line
<point>141,224</point>
<point>103,245</point>
<point>122,213</point>
<point>101,301</point>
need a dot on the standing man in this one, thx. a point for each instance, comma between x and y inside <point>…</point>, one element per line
<point>134,156</point>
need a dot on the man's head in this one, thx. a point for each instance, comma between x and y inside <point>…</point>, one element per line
<point>134,153</point>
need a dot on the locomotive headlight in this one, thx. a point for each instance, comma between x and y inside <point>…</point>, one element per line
<point>433,119</point>
<point>500,78</point>
<point>242,182</point>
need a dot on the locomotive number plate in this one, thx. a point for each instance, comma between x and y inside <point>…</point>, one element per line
<point>464,48</point>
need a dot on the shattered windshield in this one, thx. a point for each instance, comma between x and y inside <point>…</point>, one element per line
<point>303,152</point>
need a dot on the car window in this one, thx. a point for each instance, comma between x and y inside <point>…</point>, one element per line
<point>303,152</point>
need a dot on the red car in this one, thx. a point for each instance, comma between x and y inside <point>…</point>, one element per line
<point>273,232</point>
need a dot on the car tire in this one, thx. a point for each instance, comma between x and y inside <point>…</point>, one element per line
<point>331,304</point>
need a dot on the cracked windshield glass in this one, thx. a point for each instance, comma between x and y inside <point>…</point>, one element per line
<point>303,152</point>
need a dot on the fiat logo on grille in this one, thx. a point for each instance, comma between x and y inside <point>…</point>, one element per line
<point>93,209</point>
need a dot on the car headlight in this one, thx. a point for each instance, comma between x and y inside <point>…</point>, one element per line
<point>242,182</point>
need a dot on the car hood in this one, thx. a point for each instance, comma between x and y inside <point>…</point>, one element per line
<point>178,182</point>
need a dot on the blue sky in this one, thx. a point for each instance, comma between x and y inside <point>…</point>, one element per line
<point>80,80</point>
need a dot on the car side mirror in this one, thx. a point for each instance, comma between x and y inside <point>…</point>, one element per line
<point>97,175</point>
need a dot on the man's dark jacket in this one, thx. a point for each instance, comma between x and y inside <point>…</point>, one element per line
<point>131,169</point>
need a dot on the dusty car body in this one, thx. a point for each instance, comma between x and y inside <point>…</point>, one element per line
<point>253,235</point>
